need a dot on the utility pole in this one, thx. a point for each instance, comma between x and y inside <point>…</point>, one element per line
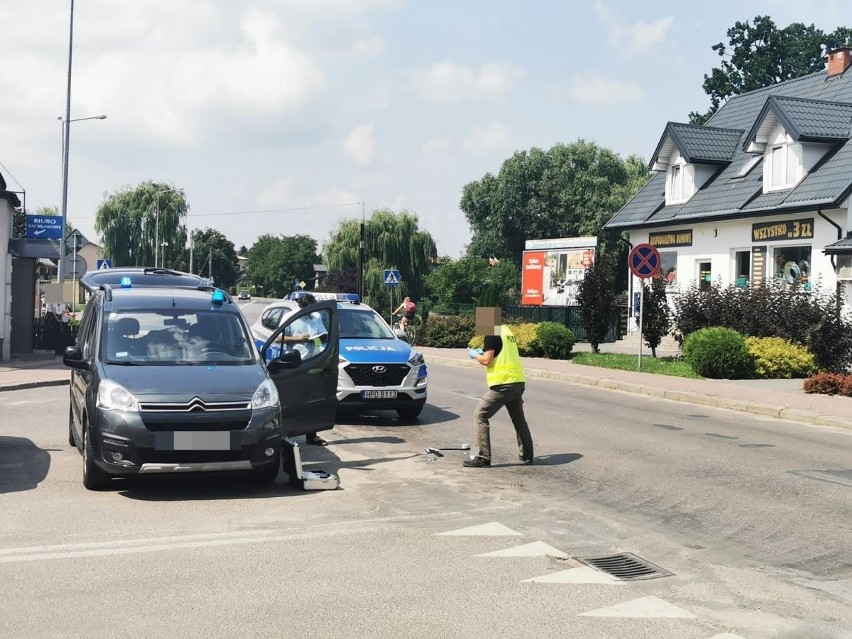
<point>210,263</point>
<point>60,271</point>
<point>191,247</point>
<point>361,283</point>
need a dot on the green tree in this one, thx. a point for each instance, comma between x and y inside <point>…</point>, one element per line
<point>461,281</point>
<point>567,191</point>
<point>760,54</point>
<point>596,298</point>
<point>132,221</point>
<point>391,241</point>
<point>656,316</point>
<point>342,281</point>
<point>276,263</point>
<point>225,268</point>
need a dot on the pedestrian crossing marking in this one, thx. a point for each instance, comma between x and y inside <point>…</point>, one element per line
<point>535,549</point>
<point>581,575</point>
<point>493,529</point>
<point>727,635</point>
<point>644,607</point>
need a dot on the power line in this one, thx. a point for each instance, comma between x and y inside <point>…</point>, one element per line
<point>260,211</point>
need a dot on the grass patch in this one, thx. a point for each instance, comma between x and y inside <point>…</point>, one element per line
<point>660,366</point>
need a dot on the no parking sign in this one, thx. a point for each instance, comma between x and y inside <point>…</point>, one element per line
<point>644,261</point>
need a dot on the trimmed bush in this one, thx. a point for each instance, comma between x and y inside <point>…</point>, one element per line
<point>556,340</point>
<point>777,358</point>
<point>447,331</point>
<point>718,353</point>
<point>829,384</point>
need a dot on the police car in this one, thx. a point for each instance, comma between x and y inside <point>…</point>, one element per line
<point>377,369</point>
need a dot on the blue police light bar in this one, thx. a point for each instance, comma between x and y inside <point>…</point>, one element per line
<point>125,282</point>
<point>218,296</point>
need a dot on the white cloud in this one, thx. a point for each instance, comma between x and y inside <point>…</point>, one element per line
<point>451,82</point>
<point>435,147</point>
<point>277,194</point>
<point>485,139</point>
<point>360,144</point>
<point>639,37</point>
<point>369,47</point>
<point>593,88</point>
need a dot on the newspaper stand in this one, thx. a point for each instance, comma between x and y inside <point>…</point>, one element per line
<point>305,479</point>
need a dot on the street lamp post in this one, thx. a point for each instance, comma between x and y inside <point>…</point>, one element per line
<point>157,223</point>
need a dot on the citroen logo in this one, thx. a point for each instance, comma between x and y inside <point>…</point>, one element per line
<point>379,369</point>
<point>196,404</point>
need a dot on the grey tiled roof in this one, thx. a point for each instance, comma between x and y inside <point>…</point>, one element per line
<point>841,246</point>
<point>699,144</point>
<point>726,195</point>
<point>807,120</point>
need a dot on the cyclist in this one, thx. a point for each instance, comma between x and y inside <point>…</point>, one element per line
<point>409,310</point>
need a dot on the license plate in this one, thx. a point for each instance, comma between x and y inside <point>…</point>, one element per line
<point>191,440</point>
<point>378,394</point>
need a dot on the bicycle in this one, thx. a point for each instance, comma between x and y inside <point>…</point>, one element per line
<point>410,333</point>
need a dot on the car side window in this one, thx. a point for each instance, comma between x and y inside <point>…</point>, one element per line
<point>271,318</point>
<point>88,329</point>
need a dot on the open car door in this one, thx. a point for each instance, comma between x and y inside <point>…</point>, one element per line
<point>305,371</point>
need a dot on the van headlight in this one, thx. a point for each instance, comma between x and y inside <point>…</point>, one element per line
<point>416,359</point>
<point>112,396</point>
<point>266,395</point>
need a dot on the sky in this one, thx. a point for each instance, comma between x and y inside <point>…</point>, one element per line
<point>287,116</point>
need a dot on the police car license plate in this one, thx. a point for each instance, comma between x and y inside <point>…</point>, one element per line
<point>378,394</point>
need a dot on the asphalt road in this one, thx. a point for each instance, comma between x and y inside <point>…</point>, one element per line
<point>750,515</point>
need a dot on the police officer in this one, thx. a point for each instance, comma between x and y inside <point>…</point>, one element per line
<point>504,374</point>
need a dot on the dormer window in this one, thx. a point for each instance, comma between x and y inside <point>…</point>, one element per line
<point>783,166</point>
<point>675,191</point>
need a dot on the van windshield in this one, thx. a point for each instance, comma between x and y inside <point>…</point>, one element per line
<point>170,336</point>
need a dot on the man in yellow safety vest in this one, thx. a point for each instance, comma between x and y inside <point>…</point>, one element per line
<point>506,383</point>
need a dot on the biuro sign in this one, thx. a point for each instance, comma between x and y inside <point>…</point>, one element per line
<point>532,278</point>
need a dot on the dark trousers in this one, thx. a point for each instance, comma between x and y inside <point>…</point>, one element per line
<point>512,397</point>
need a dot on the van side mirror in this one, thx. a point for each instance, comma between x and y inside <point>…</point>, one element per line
<point>73,358</point>
<point>288,359</point>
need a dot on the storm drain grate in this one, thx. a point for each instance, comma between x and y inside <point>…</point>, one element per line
<point>625,566</point>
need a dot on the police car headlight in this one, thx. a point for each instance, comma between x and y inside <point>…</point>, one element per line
<point>266,395</point>
<point>416,359</point>
<point>112,396</point>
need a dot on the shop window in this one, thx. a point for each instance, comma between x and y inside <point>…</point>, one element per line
<point>668,267</point>
<point>793,265</point>
<point>705,276</point>
<point>742,268</point>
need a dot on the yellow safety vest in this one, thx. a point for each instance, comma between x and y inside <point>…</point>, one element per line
<point>506,368</point>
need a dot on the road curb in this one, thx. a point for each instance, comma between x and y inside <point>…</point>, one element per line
<point>687,397</point>
<point>39,384</point>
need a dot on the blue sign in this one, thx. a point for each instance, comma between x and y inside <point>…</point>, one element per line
<point>44,227</point>
<point>104,264</point>
<point>391,277</point>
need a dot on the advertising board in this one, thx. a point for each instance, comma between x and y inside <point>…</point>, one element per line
<point>551,270</point>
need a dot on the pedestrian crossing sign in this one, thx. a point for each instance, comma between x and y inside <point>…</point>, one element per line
<point>391,277</point>
<point>104,264</point>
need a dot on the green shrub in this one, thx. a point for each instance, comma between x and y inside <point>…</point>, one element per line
<point>777,358</point>
<point>718,353</point>
<point>447,331</point>
<point>812,318</point>
<point>556,340</point>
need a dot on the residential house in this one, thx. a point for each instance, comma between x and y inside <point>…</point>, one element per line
<point>761,191</point>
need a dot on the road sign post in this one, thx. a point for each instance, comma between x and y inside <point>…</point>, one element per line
<point>391,279</point>
<point>644,262</point>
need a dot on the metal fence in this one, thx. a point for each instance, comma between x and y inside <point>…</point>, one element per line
<point>568,316</point>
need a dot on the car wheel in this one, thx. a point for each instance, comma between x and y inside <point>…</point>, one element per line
<point>71,440</point>
<point>268,474</point>
<point>93,477</point>
<point>410,412</point>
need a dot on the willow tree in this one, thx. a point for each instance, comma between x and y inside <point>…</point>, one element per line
<point>133,222</point>
<point>391,241</point>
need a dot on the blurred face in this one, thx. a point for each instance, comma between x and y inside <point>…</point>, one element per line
<point>487,318</point>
